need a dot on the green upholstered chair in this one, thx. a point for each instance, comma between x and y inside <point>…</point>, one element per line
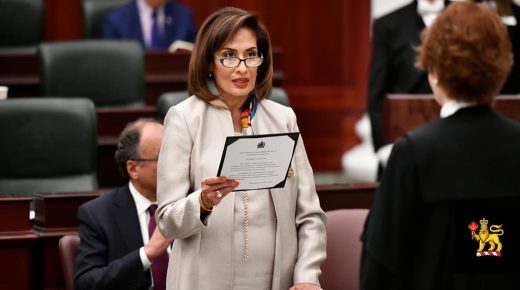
<point>109,72</point>
<point>48,145</point>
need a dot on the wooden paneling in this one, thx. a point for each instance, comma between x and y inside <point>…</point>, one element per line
<point>406,112</point>
<point>15,269</point>
<point>63,20</point>
<point>14,214</point>
<point>57,212</point>
<point>346,196</point>
<point>17,243</point>
<point>55,216</point>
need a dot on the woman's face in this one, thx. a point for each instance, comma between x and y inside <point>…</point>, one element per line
<point>237,82</point>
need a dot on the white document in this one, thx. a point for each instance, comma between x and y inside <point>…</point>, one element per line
<point>258,161</point>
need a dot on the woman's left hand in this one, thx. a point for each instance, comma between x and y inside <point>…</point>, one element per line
<point>214,189</point>
<point>305,286</point>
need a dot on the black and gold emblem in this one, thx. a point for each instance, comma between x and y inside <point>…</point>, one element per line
<point>487,236</point>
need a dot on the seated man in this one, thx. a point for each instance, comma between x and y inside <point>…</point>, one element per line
<point>119,239</point>
<point>154,23</point>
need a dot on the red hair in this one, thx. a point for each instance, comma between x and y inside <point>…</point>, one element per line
<point>468,48</point>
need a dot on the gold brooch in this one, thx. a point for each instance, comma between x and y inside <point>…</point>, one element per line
<point>290,172</point>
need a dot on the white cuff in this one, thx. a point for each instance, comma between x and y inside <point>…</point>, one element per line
<point>144,259</point>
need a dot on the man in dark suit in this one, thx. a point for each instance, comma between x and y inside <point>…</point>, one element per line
<point>116,250</point>
<point>154,23</point>
<point>392,68</point>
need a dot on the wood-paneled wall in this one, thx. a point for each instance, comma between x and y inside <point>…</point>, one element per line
<point>325,60</point>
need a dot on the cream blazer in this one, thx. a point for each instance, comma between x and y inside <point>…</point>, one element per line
<point>201,258</point>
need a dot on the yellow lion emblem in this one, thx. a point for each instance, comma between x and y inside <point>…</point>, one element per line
<point>487,236</point>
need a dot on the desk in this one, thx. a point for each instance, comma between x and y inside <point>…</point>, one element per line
<point>163,72</point>
<point>402,113</point>
<point>55,216</point>
<point>17,243</point>
<point>340,196</point>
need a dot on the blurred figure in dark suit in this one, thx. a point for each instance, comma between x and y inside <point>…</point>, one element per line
<point>154,23</point>
<point>392,69</point>
<point>510,15</point>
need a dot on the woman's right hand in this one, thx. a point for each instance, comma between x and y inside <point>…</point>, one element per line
<point>157,245</point>
<point>214,189</point>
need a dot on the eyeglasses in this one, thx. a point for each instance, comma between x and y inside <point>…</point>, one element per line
<point>146,160</point>
<point>233,61</point>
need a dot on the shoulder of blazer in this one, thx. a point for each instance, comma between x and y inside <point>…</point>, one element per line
<point>192,103</point>
<point>275,108</point>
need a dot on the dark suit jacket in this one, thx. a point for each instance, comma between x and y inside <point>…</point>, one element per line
<point>440,178</point>
<point>124,23</point>
<point>392,68</point>
<point>108,255</point>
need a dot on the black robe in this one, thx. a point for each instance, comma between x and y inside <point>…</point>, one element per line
<point>441,177</point>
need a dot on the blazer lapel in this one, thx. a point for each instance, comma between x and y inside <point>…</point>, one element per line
<point>125,214</point>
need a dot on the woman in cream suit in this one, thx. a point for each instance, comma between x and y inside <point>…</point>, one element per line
<point>260,239</point>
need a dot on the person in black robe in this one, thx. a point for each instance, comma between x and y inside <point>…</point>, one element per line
<point>453,180</point>
<point>392,70</point>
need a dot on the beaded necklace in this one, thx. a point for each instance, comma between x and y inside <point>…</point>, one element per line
<point>246,116</point>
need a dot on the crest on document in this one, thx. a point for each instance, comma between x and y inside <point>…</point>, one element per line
<point>260,145</point>
<point>487,237</point>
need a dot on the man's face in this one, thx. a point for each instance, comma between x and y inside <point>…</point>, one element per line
<point>150,143</point>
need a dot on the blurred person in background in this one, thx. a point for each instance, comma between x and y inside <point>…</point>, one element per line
<point>156,24</point>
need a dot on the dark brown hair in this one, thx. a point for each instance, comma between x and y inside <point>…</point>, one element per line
<point>219,28</point>
<point>128,144</point>
<point>469,50</point>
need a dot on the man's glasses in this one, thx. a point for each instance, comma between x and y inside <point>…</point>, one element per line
<point>233,61</point>
<point>146,160</point>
